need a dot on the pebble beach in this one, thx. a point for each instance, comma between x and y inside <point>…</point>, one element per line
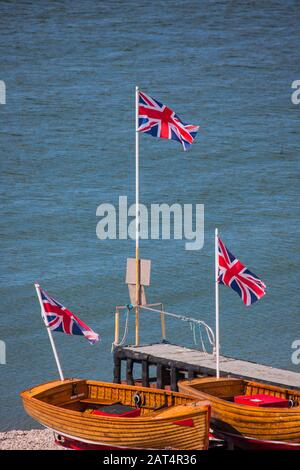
<point>34,439</point>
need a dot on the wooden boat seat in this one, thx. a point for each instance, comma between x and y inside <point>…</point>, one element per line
<point>99,401</point>
<point>118,410</point>
<point>115,410</point>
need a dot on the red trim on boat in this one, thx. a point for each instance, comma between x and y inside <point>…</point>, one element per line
<point>185,422</point>
<point>128,414</point>
<point>250,443</point>
<point>72,444</point>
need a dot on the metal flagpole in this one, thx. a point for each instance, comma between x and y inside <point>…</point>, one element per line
<point>137,221</point>
<point>44,317</point>
<point>217,304</point>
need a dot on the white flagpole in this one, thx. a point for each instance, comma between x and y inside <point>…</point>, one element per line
<point>44,317</point>
<point>217,305</point>
<point>137,222</point>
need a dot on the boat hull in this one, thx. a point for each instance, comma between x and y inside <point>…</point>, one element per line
<point>179,423</point>
<point>68,442</point>
<point>249,443</point>
<point>71,443</point>
<point>248,426</point>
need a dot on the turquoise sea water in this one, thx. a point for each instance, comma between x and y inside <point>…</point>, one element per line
<point>67,145</point>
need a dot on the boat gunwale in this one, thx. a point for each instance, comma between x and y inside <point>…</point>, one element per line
<point>187,386</point>
<point>68,381</point>
<point>190,411</point>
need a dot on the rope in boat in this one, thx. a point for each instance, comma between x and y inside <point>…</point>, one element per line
<point>193,322</point>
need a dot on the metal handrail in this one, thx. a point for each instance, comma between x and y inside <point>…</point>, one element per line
<point>193,322</point>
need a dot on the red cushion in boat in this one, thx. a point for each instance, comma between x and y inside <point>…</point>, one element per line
<point>128,414</point>
<point>263,400</point>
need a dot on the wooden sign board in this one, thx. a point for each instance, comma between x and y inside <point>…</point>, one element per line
<point>145,268</point>
<point>132,294</point>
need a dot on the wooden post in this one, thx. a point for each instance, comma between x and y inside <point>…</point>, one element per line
<point>160,374</point>
<point>173,374</point>
<point>117,327</point>
<point>163,325</point>
<point>129,369</point>
<point>117,368</point>
<point>145,373</point>
<point>191,374</point>
<point>137,326</point>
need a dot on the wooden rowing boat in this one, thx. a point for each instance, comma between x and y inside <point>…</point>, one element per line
<point>80,411</point>
<point>249,426</point>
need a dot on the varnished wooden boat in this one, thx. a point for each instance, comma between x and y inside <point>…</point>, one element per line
<point>248,426</point>
<point>168,420</point>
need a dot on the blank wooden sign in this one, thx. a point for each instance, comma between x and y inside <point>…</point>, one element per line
<point>145,268</point>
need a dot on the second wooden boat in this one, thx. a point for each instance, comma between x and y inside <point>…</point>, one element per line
<point>90,414</point>
<point>264,424</point>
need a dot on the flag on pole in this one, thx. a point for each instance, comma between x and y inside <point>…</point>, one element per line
<point>160,121</point>
<point>59,318</point>
<point>234,274</point>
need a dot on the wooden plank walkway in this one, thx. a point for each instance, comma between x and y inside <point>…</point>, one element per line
<point>178,359</point>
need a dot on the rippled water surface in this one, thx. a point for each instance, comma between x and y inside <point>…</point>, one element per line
<point>67,145</point>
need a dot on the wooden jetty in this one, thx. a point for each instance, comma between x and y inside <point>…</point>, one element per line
<point>175,362</point>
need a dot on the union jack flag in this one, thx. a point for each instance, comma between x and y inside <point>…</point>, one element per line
<point>160,121</point>
<point>59,318</point>
<point>234,274</point>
